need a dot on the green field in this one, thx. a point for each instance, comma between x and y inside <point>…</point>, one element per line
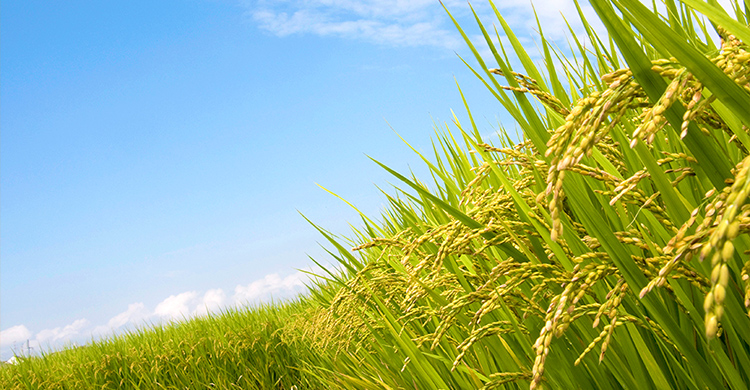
<point>606,247</point>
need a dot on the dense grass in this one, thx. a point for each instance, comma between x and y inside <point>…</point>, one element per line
<point>607,248</point>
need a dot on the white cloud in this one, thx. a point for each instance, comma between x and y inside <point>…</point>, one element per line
<point>61,334</point>
<point>387,22</point>
<point>422,22</point>
<point>176,306</point>
<point>409,23</point>
<point>271,285</point>
<point>13,335</point>
<point>135,313</point>
<point>425,23</point>
<point>212,301</point>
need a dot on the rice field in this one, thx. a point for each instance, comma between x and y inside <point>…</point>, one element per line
<point>606,248</point>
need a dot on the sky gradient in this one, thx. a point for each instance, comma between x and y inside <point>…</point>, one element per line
<point>156,155</point>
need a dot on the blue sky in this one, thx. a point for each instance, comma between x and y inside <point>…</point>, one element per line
<point>155,154</point>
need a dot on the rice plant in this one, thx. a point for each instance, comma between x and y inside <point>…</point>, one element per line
<point>606,248</point>
<point>239,348</point>
<point>589,235</point>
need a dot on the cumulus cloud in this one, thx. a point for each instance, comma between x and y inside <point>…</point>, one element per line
<point>13,335</point>
<point>212,301</point>
<point>135,313</point>
<point>271,285</point>
<point>61,334</point>
<point>176,306</point>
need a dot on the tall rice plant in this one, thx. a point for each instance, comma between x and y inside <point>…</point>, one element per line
<point>606,249</point>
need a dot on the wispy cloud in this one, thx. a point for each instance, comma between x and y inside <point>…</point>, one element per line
<point>386,22</point>
<point>404,23</point>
